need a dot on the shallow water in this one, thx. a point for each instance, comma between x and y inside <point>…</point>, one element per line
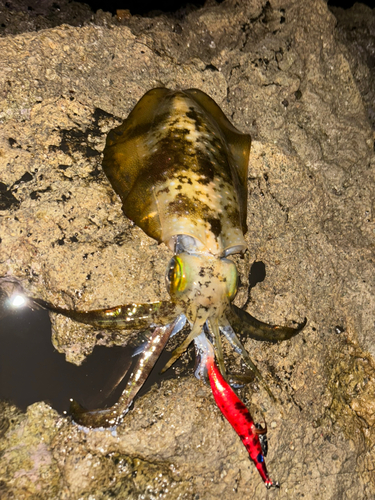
<point>32,370</point>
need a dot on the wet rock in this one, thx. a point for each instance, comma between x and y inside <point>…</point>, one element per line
<point>356,31</point>
<point>282,73</point>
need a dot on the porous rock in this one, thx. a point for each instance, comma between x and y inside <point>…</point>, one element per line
<point>285,73</point>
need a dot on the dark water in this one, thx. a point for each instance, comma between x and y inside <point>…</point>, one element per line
<point>32,370</point>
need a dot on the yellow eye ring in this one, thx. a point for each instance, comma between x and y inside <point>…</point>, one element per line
<point>176,276</point>
<point>232,280</point>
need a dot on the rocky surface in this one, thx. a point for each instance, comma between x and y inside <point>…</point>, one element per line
<point>285,72</point>
<point>356,31</point>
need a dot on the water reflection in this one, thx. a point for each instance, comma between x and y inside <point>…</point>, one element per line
<point>32,370</point>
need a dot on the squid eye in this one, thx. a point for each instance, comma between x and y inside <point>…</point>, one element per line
<point>175,276</point>
<point>232,281</point>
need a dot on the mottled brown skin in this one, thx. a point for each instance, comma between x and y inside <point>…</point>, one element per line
<point>178,157</point>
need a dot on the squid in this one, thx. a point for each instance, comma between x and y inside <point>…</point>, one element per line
<point>180,169</point>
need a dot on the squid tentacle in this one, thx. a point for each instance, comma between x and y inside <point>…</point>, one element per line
<point>195,331</point>
<point>201,355</point>
<point>239,349</point>
<point>243,322</point>
<point>112,416</point>
<point>213,328</point>
<point>141,346</point>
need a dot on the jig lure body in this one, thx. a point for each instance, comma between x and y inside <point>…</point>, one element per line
<point>240,419</point>
<point>180,169</point>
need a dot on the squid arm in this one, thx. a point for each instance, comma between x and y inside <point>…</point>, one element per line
<point>239,348</point>
<point>213,329</point>
<point>111,417</point>
<point>195,331</point>
<point>242,322</point>
<point>125,317</point>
